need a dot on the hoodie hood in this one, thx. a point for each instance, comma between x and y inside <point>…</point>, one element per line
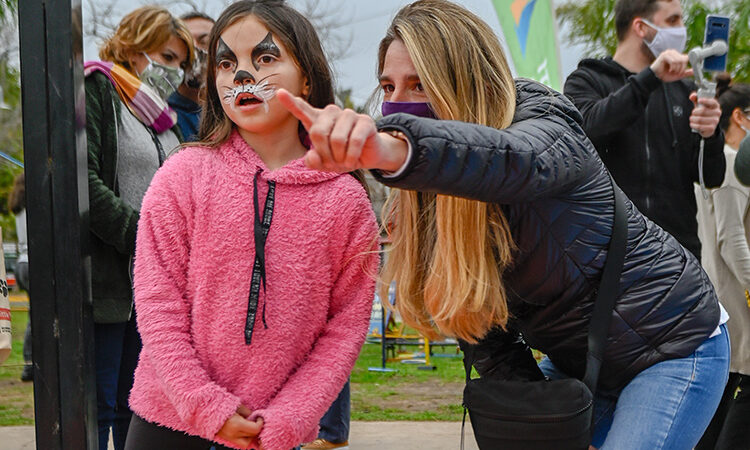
<point>245,162</point>
<point>606,65</point>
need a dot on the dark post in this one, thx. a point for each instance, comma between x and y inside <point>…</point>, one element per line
<point>57,210</point>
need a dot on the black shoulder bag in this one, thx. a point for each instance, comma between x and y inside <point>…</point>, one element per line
<point>530,415</point>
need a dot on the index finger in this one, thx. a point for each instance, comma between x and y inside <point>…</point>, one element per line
<point>709,102</point>
<point>299,108</point>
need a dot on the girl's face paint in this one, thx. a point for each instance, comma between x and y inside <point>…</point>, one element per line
<point>266,46</point>
<point>250,67</point>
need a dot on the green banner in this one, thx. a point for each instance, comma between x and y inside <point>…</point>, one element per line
<point>529,29</point>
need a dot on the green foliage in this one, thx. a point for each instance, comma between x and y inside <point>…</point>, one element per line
<point>11,143</point>
<point>345,97</point>
<point>7,8</point>
<point>739,39</point>
<point>11,132</point>
<point>591,23</point>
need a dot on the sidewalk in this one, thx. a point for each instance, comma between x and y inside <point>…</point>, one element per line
<point>363,436</point>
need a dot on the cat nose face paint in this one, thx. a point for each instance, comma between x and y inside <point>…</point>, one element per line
<point>246,90</point>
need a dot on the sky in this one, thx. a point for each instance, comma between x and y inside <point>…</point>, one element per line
<point>363,24</point>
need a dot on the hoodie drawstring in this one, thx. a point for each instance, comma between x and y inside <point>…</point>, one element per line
<point>260,229</point>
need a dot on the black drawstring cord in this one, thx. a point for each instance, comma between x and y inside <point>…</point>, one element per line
<point>260,229</point>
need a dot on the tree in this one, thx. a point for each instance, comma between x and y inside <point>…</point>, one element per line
<point>7,8</point>
<point>11,131</point>
<point>329,18</point>
<point>591,23</point>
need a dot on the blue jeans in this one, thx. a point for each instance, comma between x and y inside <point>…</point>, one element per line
<point>334,426</point>
<point>666,406</point>
<point>116,349</point>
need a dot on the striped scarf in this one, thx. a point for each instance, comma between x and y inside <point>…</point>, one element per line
<point>140,99</point>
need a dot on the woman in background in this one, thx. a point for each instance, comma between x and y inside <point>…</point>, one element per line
<point>130,131</point>
<point>724,227</point>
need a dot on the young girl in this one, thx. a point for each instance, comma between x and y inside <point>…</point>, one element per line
<point>254,274</point>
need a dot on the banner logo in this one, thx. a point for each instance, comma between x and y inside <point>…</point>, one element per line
<point>522,11</point>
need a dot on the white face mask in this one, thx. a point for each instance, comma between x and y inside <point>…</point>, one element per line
<point>673,38</point>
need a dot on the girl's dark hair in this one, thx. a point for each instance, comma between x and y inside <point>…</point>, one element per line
<point>17,197</point>
<point>299,38</point>
<point>731,96</point>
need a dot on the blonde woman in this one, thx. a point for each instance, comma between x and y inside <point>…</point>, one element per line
<point>130,131</point>
<point>503,214</point>
<point>723,226</point>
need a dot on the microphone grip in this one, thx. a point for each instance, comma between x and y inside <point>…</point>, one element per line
<point>707,89</point>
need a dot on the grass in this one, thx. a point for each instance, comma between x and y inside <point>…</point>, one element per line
<point>408,394</point>
<point>17,401</point>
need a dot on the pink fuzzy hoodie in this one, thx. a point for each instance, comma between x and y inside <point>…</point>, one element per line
<point>194,259</point>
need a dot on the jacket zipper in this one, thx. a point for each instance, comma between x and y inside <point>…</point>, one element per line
<point>539,419</point>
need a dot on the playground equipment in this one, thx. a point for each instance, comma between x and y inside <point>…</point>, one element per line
<point>393,337</point>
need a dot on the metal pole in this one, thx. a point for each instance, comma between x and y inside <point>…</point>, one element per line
<point>57,214</point>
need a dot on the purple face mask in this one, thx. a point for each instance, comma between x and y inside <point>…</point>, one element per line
<point>419,109</point>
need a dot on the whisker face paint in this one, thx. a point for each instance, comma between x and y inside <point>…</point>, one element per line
<point>261,90</point>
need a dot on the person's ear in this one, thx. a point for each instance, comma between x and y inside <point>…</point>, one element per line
<point>640,28</point>
<point>737,115</point>
<point>134,59</point>
<point>306,88</point>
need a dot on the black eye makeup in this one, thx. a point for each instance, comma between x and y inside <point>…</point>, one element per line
<point>265,47</point>
<point>225,57</point>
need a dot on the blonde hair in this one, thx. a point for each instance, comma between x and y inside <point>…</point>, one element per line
<point>144,30</point>
<point>448,254</point>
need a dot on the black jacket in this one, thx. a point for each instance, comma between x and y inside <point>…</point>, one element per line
<point>559,202</point>
<point>640,127</point>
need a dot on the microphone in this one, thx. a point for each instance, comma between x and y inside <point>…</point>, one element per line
<point>742,162</point>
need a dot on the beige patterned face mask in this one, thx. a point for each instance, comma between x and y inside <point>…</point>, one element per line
<point>163,79</point>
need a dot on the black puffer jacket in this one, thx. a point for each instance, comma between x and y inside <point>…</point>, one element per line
<point>559,202</point>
